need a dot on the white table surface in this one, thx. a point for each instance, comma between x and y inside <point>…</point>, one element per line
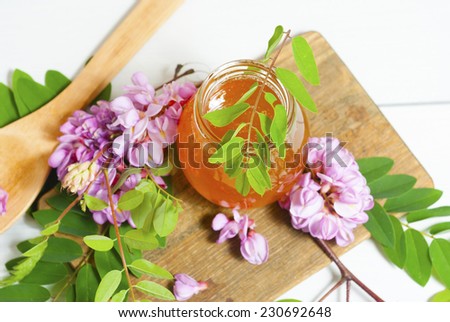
<point>398,50</point>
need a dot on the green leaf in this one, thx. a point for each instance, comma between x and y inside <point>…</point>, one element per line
<point>414,199</point>
<point>131,199</point>
<point>242,185</point>
<point>428,213</point>
<point>130,254</point>
<point>58,250</point>
<point>265,122</point>
<point>278,128</point>
<point>304,58</point>
<point>86,284</point>
<point>143,211</point>
<point>166,218</point>
<point>62,200</point>
<point>155,290</point>
<point>162,241</point>
<point>443,296</point>
<point>72,223</point>
<point>22,108</point>
<point>32,94</point>
<point>273,41</point>
<point>417,264</point>
<point>109,284</point>
<point>146,267</point>
<point>36,250</point>
<point>390,186</point>
<point>295,86</point>
<point>257,175</point>
<point>51,228</point>
<point>105,95</point>
<point>225,116</point>
<point>374,168</point>
<point>439,228</point>
<point>106,262</point>
<point>94,203</point>
<point>8,109</point>
<point>120,296</point>
<point>227,151</point>
<point>440,258</point>
<point>248,93</point>
<point>140,239</point>
<point>380,226</point>
<point>99,243</point>
<point>270,98</point>
<point>24,293</point>
<point>45,273</point>
<point>233,167</point>
<point>56,81</point>
<point>70,294</point>
<point>397,254</point>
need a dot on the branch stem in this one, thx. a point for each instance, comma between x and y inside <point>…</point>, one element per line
<point>347,275</point>
<point>119,239</point>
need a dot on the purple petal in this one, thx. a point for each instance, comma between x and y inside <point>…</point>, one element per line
<point>219,221</point>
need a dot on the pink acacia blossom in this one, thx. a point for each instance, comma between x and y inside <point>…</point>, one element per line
<point>185,287</point>
<point>330,199</point>
<point>3,201</point>
<point>254,247</point>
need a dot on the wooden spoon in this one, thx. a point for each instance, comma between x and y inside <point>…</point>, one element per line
<point>26,144</point>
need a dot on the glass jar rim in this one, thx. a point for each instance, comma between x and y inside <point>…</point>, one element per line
<point>234,69</point>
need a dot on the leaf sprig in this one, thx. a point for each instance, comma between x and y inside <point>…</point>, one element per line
<point>249,162</point>
<point>417,252</point>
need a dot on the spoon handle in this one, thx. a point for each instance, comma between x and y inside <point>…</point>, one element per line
<point>133,32</point>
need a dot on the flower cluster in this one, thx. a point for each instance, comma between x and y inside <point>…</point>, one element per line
<point>330,199</point>
<point>254,247</point>
<point>130,131</point>
<point>185,287</point>
<point>3,201</point>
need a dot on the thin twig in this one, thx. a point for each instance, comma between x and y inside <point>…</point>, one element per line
<point>188,72</point>
<point>119,239</point>
<point>331,290</point>
<point>347,275</point>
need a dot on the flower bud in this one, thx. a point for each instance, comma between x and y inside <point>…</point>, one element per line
<point>255,248</point>
<point>3,201</point>
<point>185,287</point>
<point>79,176</point>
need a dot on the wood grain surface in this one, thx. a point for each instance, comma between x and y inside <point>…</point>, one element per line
<point>345,110</point>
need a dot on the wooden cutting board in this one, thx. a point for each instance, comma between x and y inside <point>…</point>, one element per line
<point>345,110</point>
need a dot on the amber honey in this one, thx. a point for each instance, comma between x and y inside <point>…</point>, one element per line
<point>197,137</point>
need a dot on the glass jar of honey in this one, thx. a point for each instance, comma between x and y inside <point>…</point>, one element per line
<point>198,138</point>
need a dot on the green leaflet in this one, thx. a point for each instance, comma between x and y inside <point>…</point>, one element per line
<point>166,218</point>
<point>242,184</point>
<point>139,239</point>
<point>99,242</point>
<point>226,115</point>
<point>417,264</point>
<point>428,213</point>
<point>278,126</point>
<point>440,258</point>
<point>58,250</point>
<point>143,211</point>
<point>273,41</point>
<point>155,290</point>
<point>106,262</point>
<point>390,186</point>
<point>51,228</point>
<point>258,176</point>
<point>248,93</point>
<point>304,58</point>
<point>61,201</point>
<point>374,168</point>
<point>415,199</point>
<point>56,81</point>
<point>443,296</point>
<point>295,86</point>
<point>72,223</point>
<point>270,98</point>
<point>131,200</point>
<point>146,267</point>
<point>397,253</point>
<point>22,108</point>
<point>380,226</point>
<point>120,296</point>
<point>24,293</point>
<point>8,109</point>
<point>45,273</point>
<point>130,254</point>
<point>227,151</point>
<point>32,94</point>
<point>86,284</point>
<point>108,286</point>
<point>265,122</point>
<point>94,203</point>
<point>439,228</point>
